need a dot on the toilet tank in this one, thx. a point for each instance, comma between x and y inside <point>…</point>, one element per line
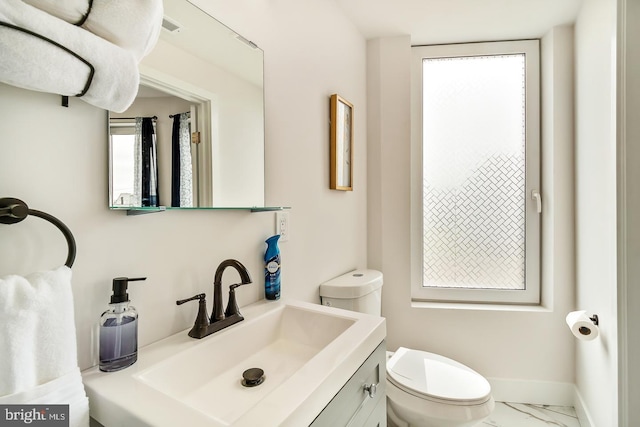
<point>358,290</point>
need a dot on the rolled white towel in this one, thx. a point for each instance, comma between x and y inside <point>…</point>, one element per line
<point>72,11</point>
<point>33,63</point>
<point>132,25</point>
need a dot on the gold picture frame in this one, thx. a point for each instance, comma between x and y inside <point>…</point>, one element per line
<point>341,152</point>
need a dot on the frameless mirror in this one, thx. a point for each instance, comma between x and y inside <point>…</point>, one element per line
<point>194,137</point>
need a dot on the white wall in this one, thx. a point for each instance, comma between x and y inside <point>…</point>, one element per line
<point>305,63</point>
<point>596,361</point>
<point>528,354</point>
<point>55,159</point>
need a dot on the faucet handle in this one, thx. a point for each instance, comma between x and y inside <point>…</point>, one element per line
<point>200,297</point>
<point>202,321</point>
<point>232,304</point>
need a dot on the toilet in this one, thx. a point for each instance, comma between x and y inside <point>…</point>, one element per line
<point>423,389</point>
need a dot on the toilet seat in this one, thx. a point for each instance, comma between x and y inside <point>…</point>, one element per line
<point>437,378</point>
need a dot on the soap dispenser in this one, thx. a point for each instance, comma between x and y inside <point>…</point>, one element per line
<point>119,329</point>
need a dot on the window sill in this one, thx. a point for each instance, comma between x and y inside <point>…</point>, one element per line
<point>480,307</point>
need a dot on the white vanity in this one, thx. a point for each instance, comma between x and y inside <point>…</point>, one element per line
<point>322,367</point>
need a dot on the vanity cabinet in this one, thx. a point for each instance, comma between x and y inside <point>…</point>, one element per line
<point>362,400</point>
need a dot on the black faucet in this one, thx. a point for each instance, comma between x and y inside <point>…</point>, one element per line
<point>219,320</point>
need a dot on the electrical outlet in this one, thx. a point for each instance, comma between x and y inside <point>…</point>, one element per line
<point>283,226</point>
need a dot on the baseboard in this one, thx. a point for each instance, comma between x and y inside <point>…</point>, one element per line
<point>536,392</point>
<point>581,410</point>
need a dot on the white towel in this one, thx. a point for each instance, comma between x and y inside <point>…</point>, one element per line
<point>71,11</point>
<point>67,389</point>
<point>31,63</point>
<point>132,25</point>
<point>38,358</point>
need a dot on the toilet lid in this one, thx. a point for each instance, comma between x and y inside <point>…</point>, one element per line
<point>435,376</point>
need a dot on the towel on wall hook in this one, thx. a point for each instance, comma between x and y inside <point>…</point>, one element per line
<point>32,62</point>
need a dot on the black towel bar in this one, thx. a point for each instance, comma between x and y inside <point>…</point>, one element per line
<point>15,210</point>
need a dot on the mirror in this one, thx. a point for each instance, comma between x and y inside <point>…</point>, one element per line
<point>194,137</point>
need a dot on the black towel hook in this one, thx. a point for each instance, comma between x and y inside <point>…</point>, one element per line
<point>15,210</point>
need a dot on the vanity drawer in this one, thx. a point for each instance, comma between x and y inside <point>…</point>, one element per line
<point>362,400</point>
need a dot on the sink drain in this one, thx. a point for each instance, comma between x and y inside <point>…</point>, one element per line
<point>252,377</point>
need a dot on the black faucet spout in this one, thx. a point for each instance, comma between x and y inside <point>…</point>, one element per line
<point>241,269</point>
<point>218,312</point>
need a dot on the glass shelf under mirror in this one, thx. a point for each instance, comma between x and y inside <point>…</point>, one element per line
<point>154,209</point>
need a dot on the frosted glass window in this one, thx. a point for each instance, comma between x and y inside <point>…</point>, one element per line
<point>475,149</point>
<point>474,172</point>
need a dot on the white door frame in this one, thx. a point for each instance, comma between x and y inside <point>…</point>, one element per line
<point>628,211</point>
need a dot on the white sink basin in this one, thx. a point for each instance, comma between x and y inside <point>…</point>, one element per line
<point>208,377</point>
<point>307,352</point>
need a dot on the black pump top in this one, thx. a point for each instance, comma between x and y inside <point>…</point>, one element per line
<point>120,288</point>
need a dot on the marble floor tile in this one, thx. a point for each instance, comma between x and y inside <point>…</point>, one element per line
<point>527,415</point>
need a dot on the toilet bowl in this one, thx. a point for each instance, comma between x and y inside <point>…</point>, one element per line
<point>423,389</point>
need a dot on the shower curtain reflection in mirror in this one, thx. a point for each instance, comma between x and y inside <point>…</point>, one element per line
<point>181,162</point>
<point>135,161</point>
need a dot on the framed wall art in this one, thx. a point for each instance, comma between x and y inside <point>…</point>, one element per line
<point>341,153</point>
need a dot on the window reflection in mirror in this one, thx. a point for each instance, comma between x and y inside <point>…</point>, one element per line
<point>215,75</point>
<point>122,150</point>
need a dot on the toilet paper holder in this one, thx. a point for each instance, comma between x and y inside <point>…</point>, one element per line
<point>583,326</point>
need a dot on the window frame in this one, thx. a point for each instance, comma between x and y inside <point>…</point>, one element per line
<point>531,295</point>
